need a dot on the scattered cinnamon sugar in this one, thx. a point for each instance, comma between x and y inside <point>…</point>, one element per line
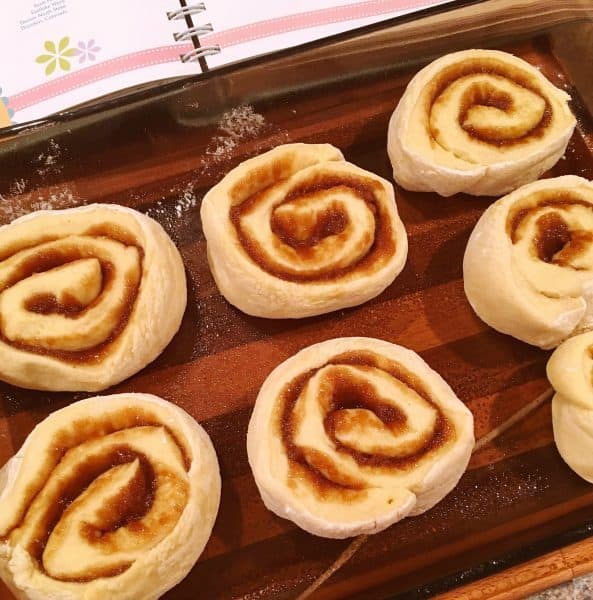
<point>18,186</point>
<point>163,209</point>
<point>239,124</point>
<point>21,203</point>
<point>186,201</point>
<point>48,162</point>
<point>242,122</point>
<point>24,198</point>
<point>174,208</point>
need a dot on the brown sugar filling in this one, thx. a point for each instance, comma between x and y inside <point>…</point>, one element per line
<point>487,66</point>
<point>69,307</point>
<point>86,472</point>
<point>125,509</point>
<point>330,222</point>
<point>554,242</point>
<point>354,394</point>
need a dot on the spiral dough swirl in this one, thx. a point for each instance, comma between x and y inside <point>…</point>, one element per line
<point>528,266</point>
<point>74,286</point>
<point>357,433</point>
<point>479,121</point>
<point>102,485</point>
<point>299,231</point>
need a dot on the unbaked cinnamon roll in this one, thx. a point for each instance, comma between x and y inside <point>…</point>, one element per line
<point>298,231</point>
<point>483,122</point>
<point>528,265</point>
<point>88,297</point>
<point>353,434</point>
<point>570,371</point>
<point>112,497</point>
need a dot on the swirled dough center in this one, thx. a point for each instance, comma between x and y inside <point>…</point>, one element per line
<point>364,409</point>
<point>326,222</point>
<point>123,512</point>
<point>490,109</point>
<point>320,232</point>
<point>360,422</point>
<point>553,244</point>
<point>73,306</point>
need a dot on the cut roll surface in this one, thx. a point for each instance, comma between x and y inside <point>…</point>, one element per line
<point>88,297</point>
<point>482,122</point>
<point>353,434</point>
<point>110,497</point>
<point>528,265</point>
<point>298,231</point>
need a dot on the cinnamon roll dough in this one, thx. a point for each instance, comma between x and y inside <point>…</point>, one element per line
<point>570,371</point>
<point>353,434</point>
<point>88,297</point>
<point>111,497</point>
<point>528,265</point>
<point>298,231</point>
<point>483,122</point>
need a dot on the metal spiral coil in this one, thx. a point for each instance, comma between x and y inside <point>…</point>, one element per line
<point>185,11</point>
<point>198,53</point>
<point>196,30</point>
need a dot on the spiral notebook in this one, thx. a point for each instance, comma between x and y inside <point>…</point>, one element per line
<point>60,53</point>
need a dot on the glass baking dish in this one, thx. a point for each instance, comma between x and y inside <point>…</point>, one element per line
<point>160,149</point>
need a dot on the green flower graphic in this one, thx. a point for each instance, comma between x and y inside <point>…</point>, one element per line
<point>56,57</point>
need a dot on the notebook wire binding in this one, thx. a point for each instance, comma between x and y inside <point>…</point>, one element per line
<point>186,11</point>
<point>193,33</point>
<point>198,53</point>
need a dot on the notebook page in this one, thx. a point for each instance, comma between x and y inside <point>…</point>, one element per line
<point>64,52</point>
<point>245,29</point>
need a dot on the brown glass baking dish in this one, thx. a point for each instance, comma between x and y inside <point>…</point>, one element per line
<point>160,149</point>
